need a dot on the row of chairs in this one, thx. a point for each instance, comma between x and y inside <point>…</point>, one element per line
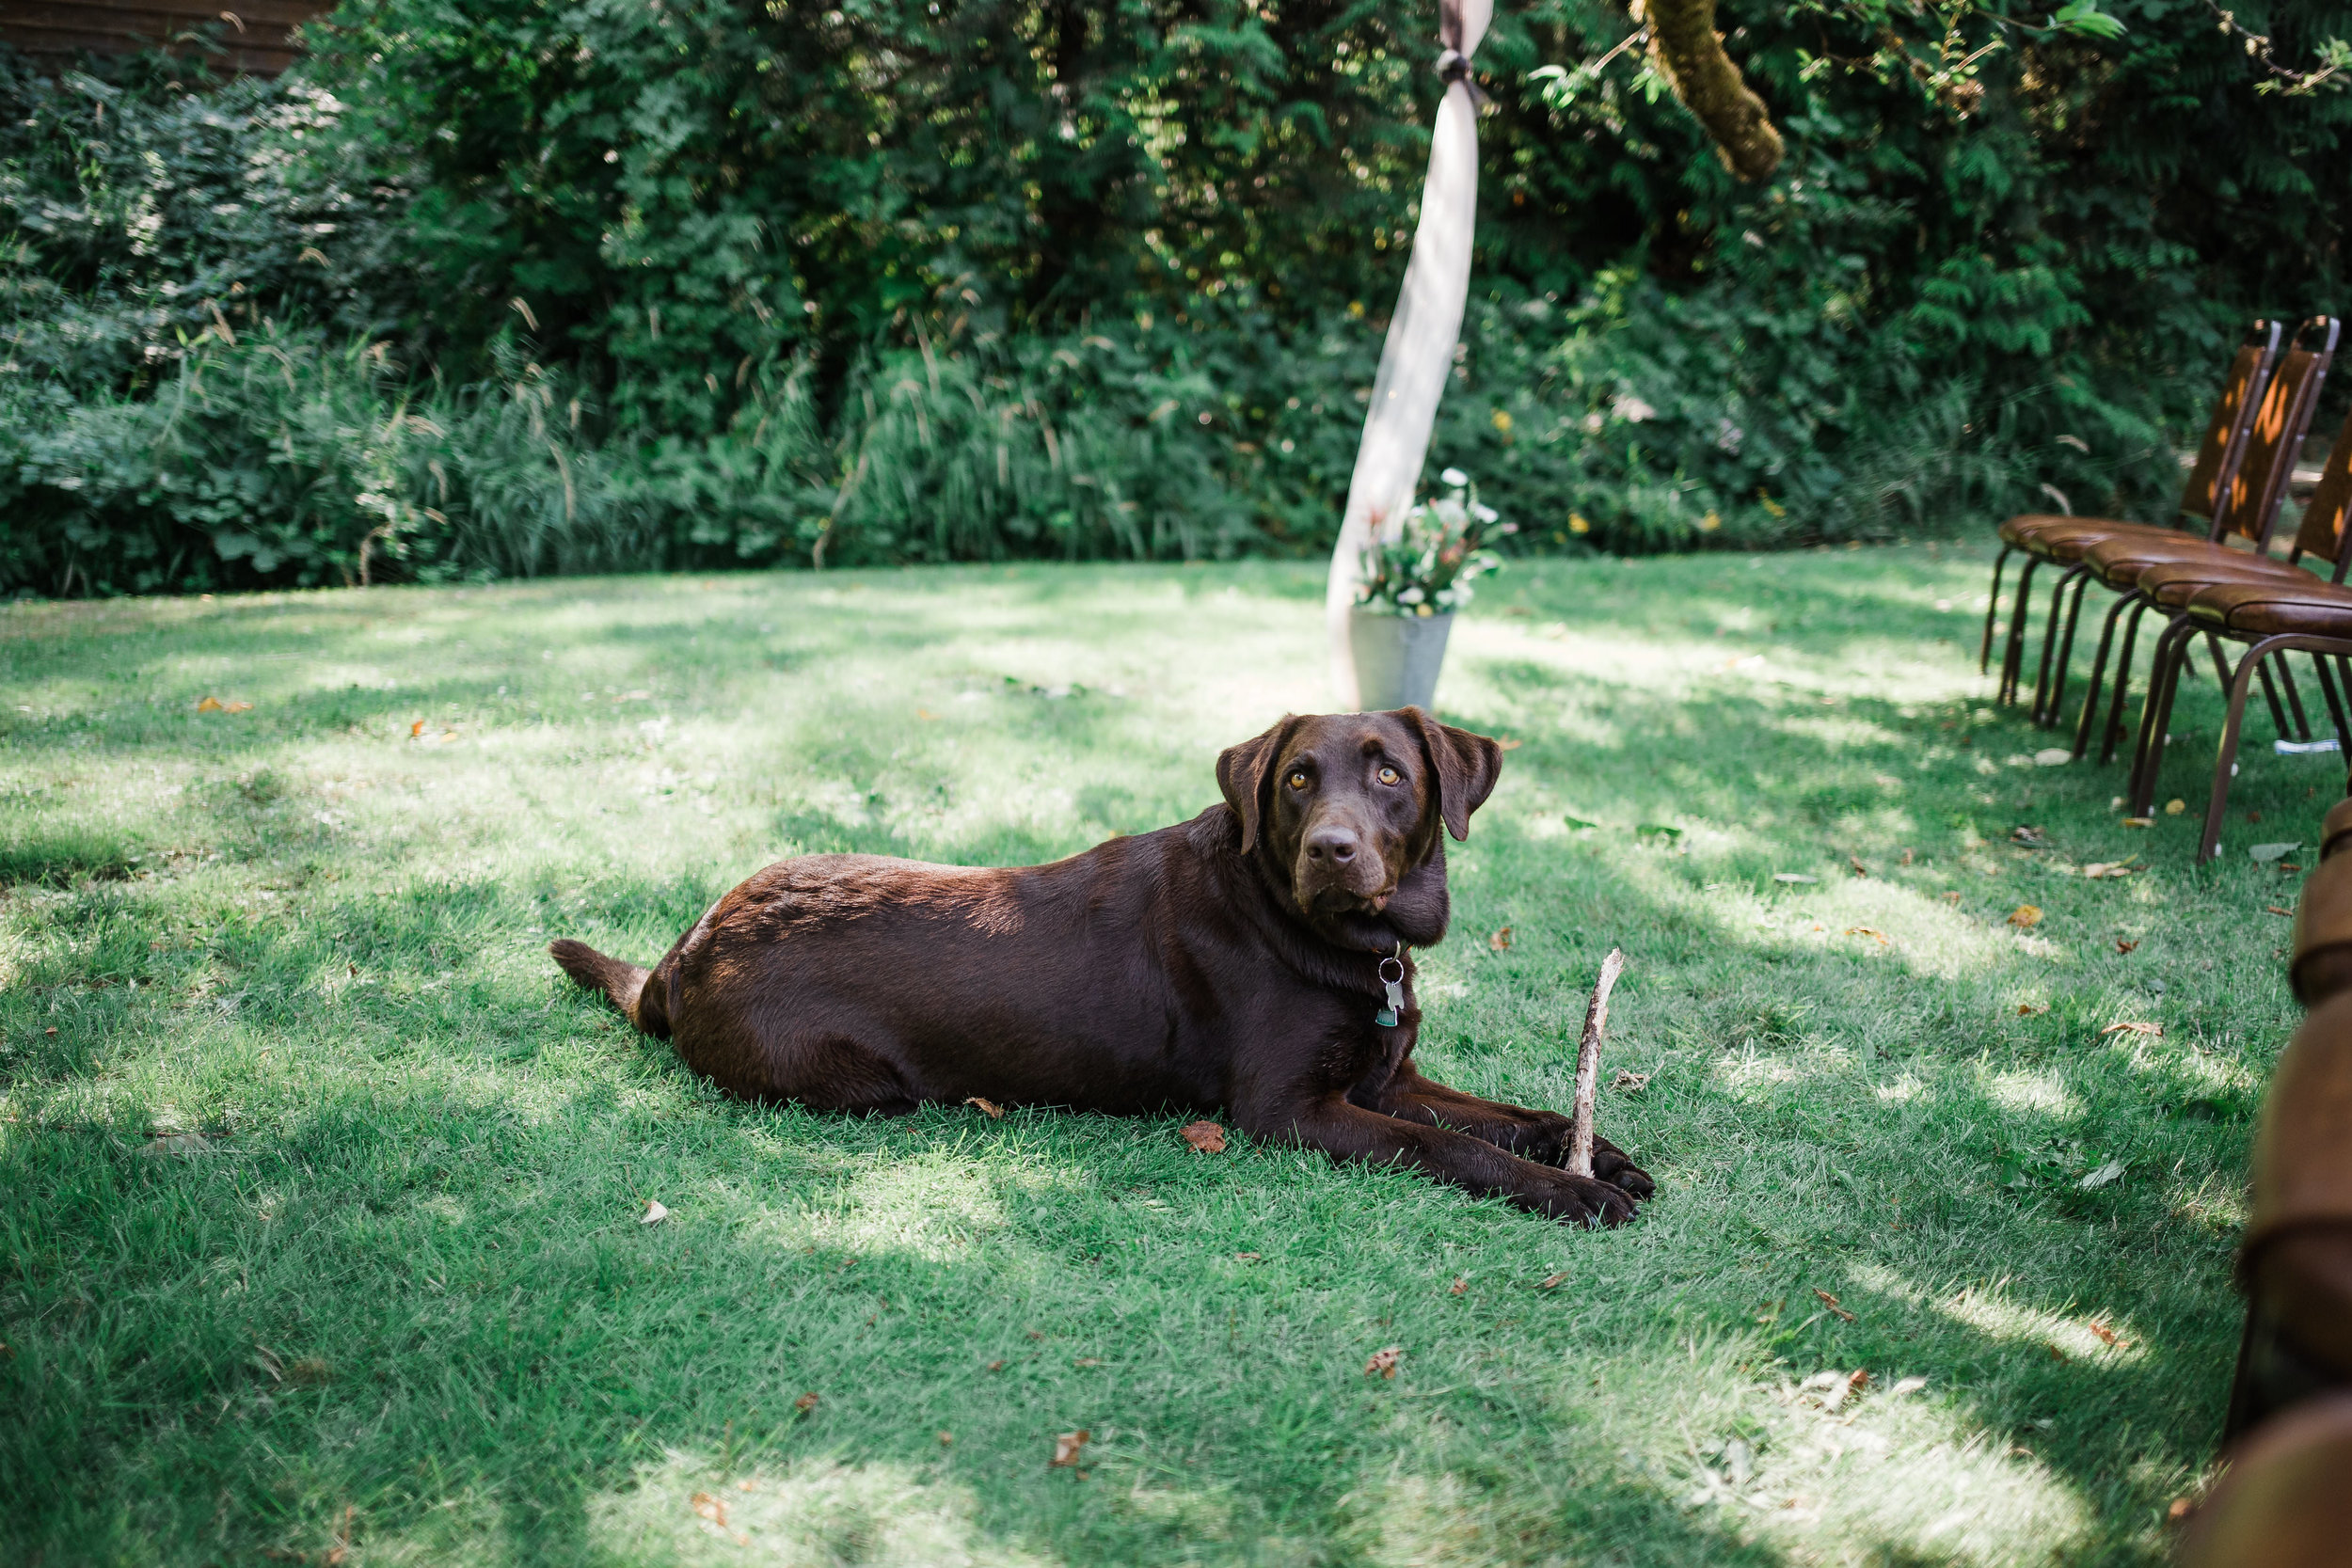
<point>2285,1500</point>
<point>2214,578</point>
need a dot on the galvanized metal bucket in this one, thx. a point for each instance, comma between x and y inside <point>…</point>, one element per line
<point>1397,658</point>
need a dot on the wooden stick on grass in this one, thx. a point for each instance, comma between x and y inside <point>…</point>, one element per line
<point>1588,1066</point>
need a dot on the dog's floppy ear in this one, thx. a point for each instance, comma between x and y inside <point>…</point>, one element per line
<point>1241,772</point>
<point>1465,764</point>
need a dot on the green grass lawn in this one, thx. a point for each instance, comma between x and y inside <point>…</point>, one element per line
<point>323,1189</point>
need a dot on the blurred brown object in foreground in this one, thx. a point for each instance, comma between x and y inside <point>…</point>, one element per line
<point>2286,1499</point>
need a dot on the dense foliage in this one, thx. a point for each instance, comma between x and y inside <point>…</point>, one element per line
<point>512,286</point>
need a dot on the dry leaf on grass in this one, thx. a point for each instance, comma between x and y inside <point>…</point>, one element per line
<point>1878,937</point>
<point>2140,822</point>
<point>2106,1334</point>
<point>1086,1361</point>
<point>1908,1386</point>
<point>1552,1281</point>
<point>1629,1083</point>
<point>1830,1302</point>
<point>2276,910</point>
<point>177,1143</point>
<point>1501,941</point>
<point>996,1366</point>
<point>2112,1171</point>
<point>1383,1361</point>
<point>2174,807</point>
<point>213,705</point>
<point>2025,916</point>
<point>1067,1445</point>
<point>946,1438</point>
<point>1503,743</point>
<point>1246,1257</point>
<point>990,1106</point>
<point>1461,1283</point>
<point>2131,1027</point>
<point>806,1403</point>
<point>1859,869</point>
<point>1794,878</point>
<point>2098,870</point>
<point>655,1214</point>
<point>2122,947</point>
<point>1206,1137</point>
<point>711,1509</point>
<point>2026,1009</point>
<point>1951,899</point>
<point>2179,1510</point>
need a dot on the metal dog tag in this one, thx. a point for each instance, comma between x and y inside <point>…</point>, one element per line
<point>1386,1017</point>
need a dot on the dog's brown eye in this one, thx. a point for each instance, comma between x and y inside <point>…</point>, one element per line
<point>1298,781</point>
<point>1389,775</point>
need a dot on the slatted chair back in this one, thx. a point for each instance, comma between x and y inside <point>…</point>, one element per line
<point>2325,514</point>
<point>2225,437</point>
<point>2252,496</point>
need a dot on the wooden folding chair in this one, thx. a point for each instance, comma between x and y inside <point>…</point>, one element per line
<point>2042,536</point>
<point>2272,611</point>
<point>2148,571</point>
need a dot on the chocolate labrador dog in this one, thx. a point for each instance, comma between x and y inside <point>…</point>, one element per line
<point>1256,959</point>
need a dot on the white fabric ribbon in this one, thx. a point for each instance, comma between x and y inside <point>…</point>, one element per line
<point>1422,334</point>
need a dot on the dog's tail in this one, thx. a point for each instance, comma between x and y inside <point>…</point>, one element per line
<point>624,983</point>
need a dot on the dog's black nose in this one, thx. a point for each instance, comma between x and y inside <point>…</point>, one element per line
<point>1336,844</point>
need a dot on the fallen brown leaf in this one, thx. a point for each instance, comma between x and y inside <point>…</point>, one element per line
<point>1552,1281</point>
<point>1858,1380</point>
<point>1503,743</point>
<point>1088,1361</point>
<point>416,728</point>
<point>2131,1027</point>
<point>2122,947</point>
<point>2276,910</point>
<point>806,1403</point>
<point>2174,807</point>
<point>1206,1137</point>
<point>1830,1302</point>
<point>996,1366</point>
<point>1501,941</point>
<point>1906,860</point>
<point>1951,899</point>
<point>1246,1257</point>
<point>1383,1361</point>
<point>655,1214</point>
<point>990,1106</point>
<point>309,1372</point>
<point>2140,822</point>
<point>1066,1447</point>
<point>210,705</point>
<point>1629,1083</point>
<point>711,1509</point>
<point>2026,1009</point>
<point>945,1438</point>
<point>2025,916</point>
<point>1461,1283</point>
<point>1878,937</point>
<point>2179,1510</point>
<point>1859,869</point>
<point>2107,1334</point>
<point>2056,1355</point>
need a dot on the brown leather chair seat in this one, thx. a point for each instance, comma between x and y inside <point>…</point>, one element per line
<point>2121,562</point>
<point>2284,1502</point>
<point>2066,539</point>
<point>2173,583</point>
<point>2269,607</point>
<point>2335,830</point>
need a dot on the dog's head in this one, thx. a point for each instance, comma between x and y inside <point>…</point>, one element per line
<point>1345,809</point>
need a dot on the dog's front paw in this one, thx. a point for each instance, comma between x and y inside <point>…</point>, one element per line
<point>1588,1200</point>
<point>1610,1164</point>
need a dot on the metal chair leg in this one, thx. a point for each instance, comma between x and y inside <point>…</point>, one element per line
<point>2231,724</point>
<point>2050,636</point>
<point>2122,687</point>
<point>2270,694</point>
<point>2295,701</point>
<point>2013,658</point>
<point>2098,677</point>
<point>2172,652</point>
<point>2056,706</point>
<point>2335,704</point>
<point>1992,607</point>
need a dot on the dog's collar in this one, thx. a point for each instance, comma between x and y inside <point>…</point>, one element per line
<point>1387,1017</point>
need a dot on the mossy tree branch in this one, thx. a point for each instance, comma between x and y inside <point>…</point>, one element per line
<point>1688,54</point>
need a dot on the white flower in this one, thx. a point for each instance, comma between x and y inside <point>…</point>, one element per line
<point>1455,477</point>
<point>1484,513</point>
<point>1631,408</point>
<point>1410,595</point>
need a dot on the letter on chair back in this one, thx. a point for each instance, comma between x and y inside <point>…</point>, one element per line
<point>2296,1261</point>
<point>2286,1499</point>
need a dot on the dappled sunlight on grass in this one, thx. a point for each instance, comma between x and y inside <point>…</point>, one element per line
<point>313,933</point>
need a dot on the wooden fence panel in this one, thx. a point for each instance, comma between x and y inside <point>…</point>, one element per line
<point>250,36</point>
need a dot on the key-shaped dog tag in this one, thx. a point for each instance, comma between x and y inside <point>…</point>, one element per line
<point>1386,1017</point>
